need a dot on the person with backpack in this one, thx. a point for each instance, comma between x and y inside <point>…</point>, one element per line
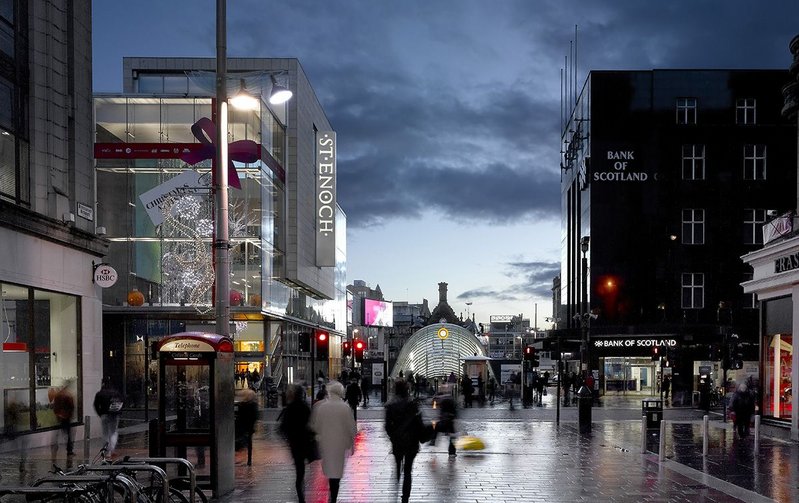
<point>108,405</point>
<point>743,405</point>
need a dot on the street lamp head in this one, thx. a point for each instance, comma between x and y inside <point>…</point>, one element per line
<point>280,94</point>
<point>584,243</point>
<point>244,100</point>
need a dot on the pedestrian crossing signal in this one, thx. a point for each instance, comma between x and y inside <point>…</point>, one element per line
<point>655,354</point>
<point>346,348</point>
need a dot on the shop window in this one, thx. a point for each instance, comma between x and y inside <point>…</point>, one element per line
<point>778,388</point>
<point>754,162</point>
<point>753,226</point>
<point>693,290</point>
<point>686,110</point>
<point>746,111</point>
<point>693,226</point>
<point>38,328</point>
<point>693,162</point>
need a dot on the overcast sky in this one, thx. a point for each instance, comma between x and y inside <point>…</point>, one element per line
<point>448,111</point>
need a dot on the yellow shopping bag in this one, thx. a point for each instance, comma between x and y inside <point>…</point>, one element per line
<point>470,443</point>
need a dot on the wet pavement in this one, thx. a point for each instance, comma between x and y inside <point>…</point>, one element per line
<point>528,457</point>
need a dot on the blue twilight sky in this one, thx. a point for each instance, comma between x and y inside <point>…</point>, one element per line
<point>448,111</point>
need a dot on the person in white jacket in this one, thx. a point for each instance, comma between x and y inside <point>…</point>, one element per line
<point>335,429</point>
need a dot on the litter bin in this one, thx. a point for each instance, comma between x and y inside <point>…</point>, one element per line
<point>652,408</point>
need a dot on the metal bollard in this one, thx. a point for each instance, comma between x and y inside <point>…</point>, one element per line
<point>643,435</point>
<point>662,448</point>
<point>87,435</point>
<point>704,435</point>
<point>757,433</point>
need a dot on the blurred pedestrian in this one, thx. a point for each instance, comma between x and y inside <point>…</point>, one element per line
<point>335,430</point>
<point>492,384</point>
<point>64,409</point>
<point>743,405</point>
<point>108,406</point>
<point>353,397</point>
<point>365,390</point>
<point>294,425</point>
<point>666,389</point>
<point>246,418</point>
<point>322,393</point>
<point>447,412</point>
<point>13,427</point>
<point>403,425</point>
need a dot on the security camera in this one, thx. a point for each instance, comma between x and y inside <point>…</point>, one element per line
<point>101,231</point>
<point>68,218</point>
<point>772,213</point>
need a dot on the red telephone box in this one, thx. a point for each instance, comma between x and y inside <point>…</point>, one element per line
<point>195,405</point>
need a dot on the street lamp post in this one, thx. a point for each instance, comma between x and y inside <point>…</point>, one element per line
<point>584,315</point>
<point>221,239</point>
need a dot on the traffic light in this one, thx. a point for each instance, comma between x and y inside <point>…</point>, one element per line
<point>655,353</point>
<point>736,357</point>
<point>531,356</point>
<point>359,347</point>
<point>304,342</point>
<point>346,348</point>
<point>322,339</point>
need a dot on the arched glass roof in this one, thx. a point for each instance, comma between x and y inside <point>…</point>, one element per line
<point>436,350</point>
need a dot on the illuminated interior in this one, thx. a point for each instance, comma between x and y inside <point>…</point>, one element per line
<point>433,352</point>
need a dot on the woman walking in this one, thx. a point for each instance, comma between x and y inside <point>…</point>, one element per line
<point>335,429</point>
<point>294,425</point>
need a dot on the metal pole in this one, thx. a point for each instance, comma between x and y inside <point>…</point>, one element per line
<point>584,315</point>
<point>643,434</point>
<point>705,439</point>
<point>757,434</point>
<point>221,244</point>
<point>662,448</point>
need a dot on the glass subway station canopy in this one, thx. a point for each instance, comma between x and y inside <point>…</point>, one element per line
<point>436,350</point>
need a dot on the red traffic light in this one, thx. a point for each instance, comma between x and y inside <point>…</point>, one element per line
<point>359,345</point>
<point>322,336</point>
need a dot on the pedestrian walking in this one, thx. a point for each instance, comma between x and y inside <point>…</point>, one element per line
<point>666,389</point>
<point>404,428</point>
<point>64,409</point>
<point>365,390</point>
<point>294,425</point>
<point>246,417</point>
<point>353,397</point>
<point>12,428</point>
<point>447,412</point>
<point>492,384</point>
<point>743,406</point>
<point>108,405</point>
<point>335,430</point>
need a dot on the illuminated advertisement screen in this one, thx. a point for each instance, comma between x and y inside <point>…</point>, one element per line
<point>377,313</point>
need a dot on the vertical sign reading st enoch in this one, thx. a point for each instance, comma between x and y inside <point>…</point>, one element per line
<point>326,198</point>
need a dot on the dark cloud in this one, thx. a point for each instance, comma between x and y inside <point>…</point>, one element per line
<point>454,106</point>
<point>530,280</point>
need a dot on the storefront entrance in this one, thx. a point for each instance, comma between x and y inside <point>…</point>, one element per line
<point>629,375</point>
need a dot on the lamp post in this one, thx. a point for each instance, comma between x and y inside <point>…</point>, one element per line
<point>584,315</point>
<point>221,235</point>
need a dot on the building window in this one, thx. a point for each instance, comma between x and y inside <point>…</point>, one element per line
<point>746,111</point>
<point>693,290</point>
<point>753,226</point>
<point>748,301</point>
<point>686,110</point>
<point>693,226</point>
<point>40,341</point>
<point>754,162</point>
<point>693,162</point>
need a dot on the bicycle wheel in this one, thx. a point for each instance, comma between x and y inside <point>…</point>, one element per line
<point>156,495</point>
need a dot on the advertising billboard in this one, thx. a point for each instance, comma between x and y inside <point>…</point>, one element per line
<point>377,313</point>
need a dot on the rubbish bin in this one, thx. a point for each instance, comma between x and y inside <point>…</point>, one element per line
<point>652,408</point>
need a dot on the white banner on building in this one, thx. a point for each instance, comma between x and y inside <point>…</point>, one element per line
<point>188,182</point>
<point>780,226</point>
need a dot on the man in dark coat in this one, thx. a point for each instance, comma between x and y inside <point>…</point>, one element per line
<point>246,417</point>
<point>294,426</point>
<point>743,404</point>
<point>353,397</point>
<point>401,427</point>
<point>108,405</point>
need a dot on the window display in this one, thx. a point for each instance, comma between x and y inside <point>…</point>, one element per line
<point>778,398</point>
